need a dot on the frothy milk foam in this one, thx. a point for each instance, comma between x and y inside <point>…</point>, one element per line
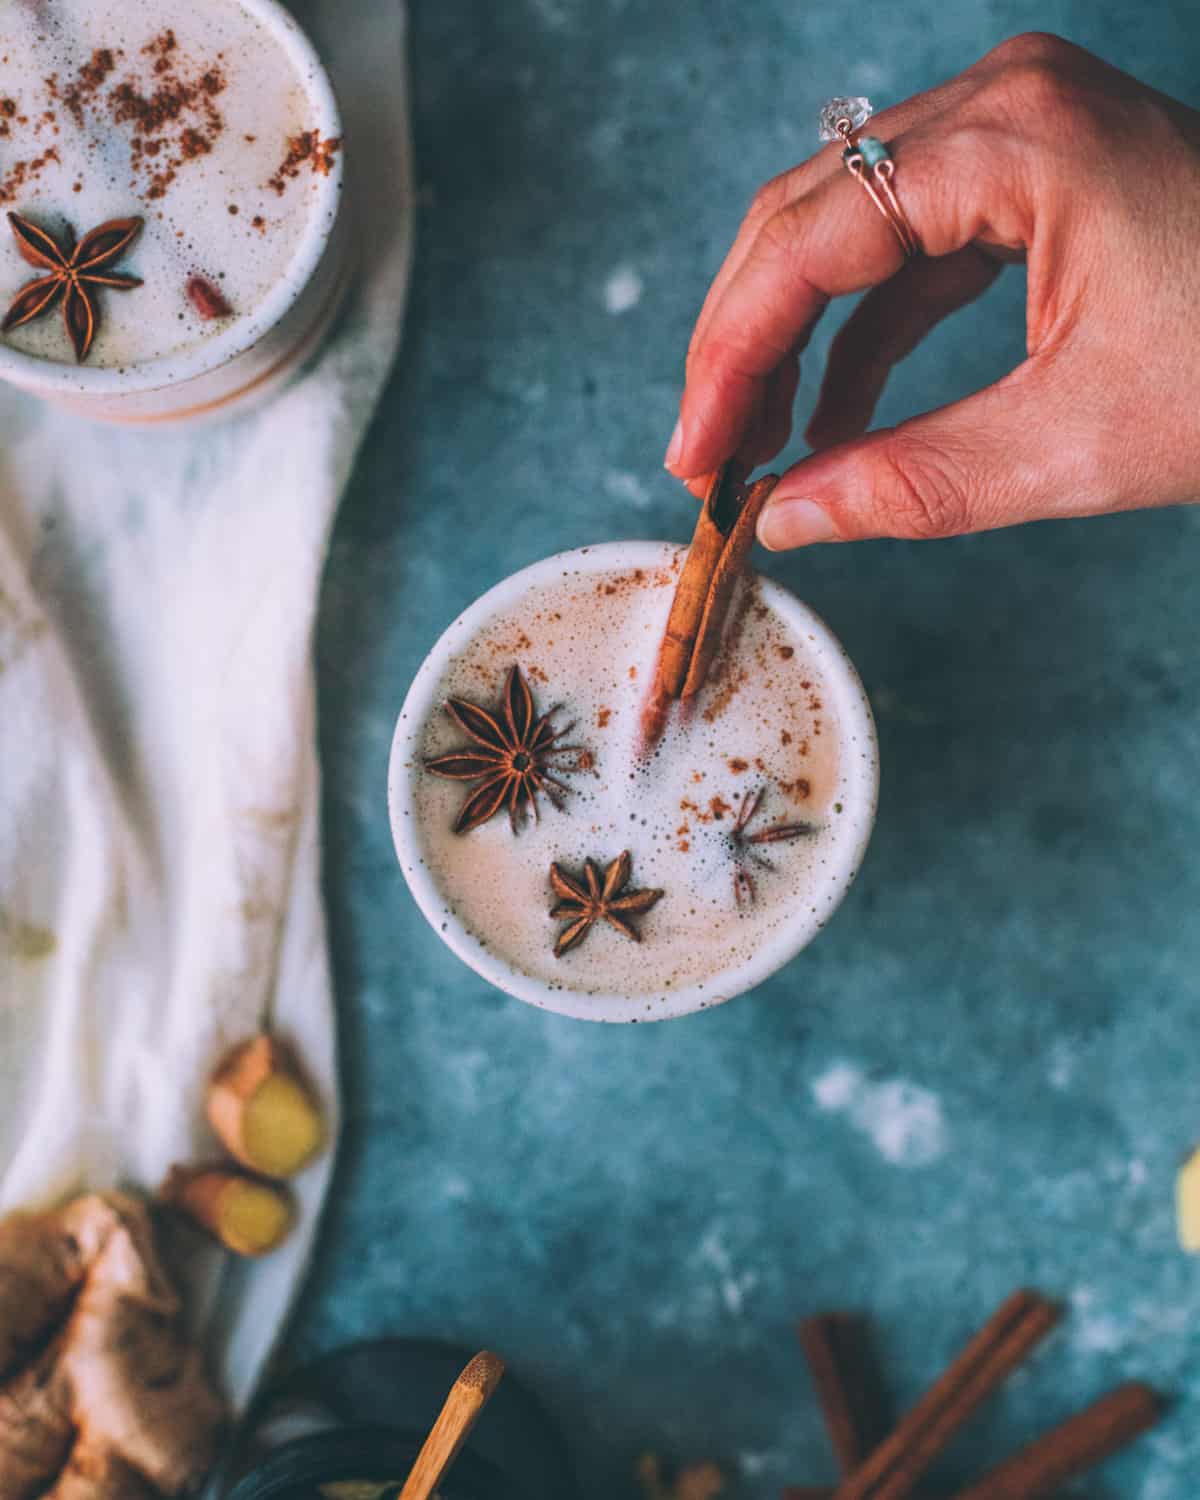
<point>764,721</point>
<point>183,114</point>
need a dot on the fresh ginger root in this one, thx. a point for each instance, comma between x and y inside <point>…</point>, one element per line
<point>102,1395</point>
<point>247,1215</point>
<point>262,1109</point>
<point>696,1482</point>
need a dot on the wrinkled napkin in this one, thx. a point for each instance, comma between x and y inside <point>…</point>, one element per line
<point>159,831</point>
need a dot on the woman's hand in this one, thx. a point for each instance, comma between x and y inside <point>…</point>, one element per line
<point>1040,152</point>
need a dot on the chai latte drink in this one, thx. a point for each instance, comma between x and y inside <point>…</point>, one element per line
<point>211,128</point>
<point>743,827</point>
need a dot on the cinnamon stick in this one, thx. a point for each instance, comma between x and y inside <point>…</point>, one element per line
<point>1072,1448</point>
<point>720,545</point>
<point>691,592</point>
<point>896,1467</point>
<point>834,1346</point>
<point>724,577</point>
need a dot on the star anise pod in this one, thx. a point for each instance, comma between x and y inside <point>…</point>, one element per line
<point>595,898</point>
<point>746,845</point>
<point>75,270</point>
<point>512,758</point>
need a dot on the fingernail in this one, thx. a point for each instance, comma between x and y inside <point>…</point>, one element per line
<point>675,446</point>
<point>794,523</point>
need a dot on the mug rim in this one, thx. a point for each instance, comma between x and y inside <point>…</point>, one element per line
<point>842,685</point>
<point>165,371</point>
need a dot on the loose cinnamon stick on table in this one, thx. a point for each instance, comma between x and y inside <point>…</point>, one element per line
<point>896,1467</point>
<point>1066,1452</point>
<point>834,1345</point>
<point>1071,1449</point>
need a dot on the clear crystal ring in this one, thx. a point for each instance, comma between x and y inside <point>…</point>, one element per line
<point>870,163</point>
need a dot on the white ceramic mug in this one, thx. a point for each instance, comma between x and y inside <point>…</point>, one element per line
<point>858,782</point>
<point>259,351</point>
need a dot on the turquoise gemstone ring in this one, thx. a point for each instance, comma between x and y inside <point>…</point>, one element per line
<point>869,161</point>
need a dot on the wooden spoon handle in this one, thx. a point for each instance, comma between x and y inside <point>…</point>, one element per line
<point>469,1394</point>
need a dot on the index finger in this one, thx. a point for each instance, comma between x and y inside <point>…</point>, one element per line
<point>824,164</point>
<point>830,242</point>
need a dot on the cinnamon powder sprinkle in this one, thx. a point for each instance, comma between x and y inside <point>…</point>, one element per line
<point>305,150</point>
<point>22,173</point>
<point>87,83</point>
<point>714,812</point>
<point>193,143</point>
<point>161,48</point>
<point>171,115</point>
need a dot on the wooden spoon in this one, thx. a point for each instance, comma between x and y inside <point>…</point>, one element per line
<point>469,1394</point>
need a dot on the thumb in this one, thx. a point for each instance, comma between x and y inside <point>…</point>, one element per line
<point>1021,450</point>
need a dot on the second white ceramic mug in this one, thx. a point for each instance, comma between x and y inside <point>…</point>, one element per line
<point>260,350</point>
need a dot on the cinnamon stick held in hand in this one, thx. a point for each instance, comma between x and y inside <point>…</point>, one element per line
<point>720,545</point>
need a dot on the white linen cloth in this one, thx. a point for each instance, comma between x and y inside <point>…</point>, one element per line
<point>159,829</point>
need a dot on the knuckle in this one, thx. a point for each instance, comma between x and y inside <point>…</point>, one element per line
<point>777,234</point>
<point>1030,47</point>
<point>699,358</point>
<point>920,489</point>
<point>782,241</point>
<point>769,199</point>
<point>775,195</point>
<point>1038,92</point>
<point>717,361</point>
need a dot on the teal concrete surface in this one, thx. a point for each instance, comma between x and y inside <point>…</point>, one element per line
<point>985,1072</point>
